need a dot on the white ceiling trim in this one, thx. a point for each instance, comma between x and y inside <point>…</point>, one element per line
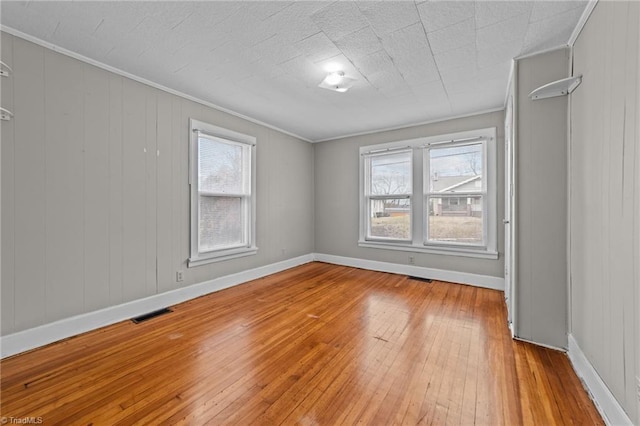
<point>540,52</point>
<point>122,73</point>
<point>153,84</point>
<point>582,21</point>
<point>400,80</point>
<point>408,126</point>
<point>512,72</point>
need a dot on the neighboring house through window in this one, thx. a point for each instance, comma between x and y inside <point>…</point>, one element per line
<point>388,195</point>
<point>433,194</point>
<point>222,180</point>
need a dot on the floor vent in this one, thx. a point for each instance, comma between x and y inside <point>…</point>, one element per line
<point>151,315</point>
<point>427,280</point>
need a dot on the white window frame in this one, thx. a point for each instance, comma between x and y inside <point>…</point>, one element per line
<point>456,195</point>
<point>419,242</point>
<point>197,128</point>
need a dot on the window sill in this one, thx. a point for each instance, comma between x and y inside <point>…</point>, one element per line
<point>447,251</point>
<point>222,256</point>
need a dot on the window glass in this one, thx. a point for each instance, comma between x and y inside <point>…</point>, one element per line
<point>389,177</point>
<point>221,223</point>
<point>390,218</point>
<point>455,220</point>
<point>222,178</point>
<point>456,168</point>
<point>221,166</point>
<point>391,174</point>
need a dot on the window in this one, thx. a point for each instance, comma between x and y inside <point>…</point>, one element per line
<point>432,194</point>
<point>222,180</point>
<point>388,195</point>
<point>455,193</point>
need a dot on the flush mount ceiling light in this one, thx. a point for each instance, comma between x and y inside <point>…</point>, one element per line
<point>337,82</point>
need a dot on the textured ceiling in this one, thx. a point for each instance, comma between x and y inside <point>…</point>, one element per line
<point>413,61</point>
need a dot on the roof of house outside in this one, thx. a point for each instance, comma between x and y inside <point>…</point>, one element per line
<point>453,183</point>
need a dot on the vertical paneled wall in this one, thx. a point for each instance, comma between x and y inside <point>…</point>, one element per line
<point>605,193</point>
<point>541,203</point>
<point>95,195</point>
<point>59,193</point>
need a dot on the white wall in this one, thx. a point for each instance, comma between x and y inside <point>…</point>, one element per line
<point>337,198</point>
<point>92,216</point>
<point>541,203</point>
<point>605,197</point>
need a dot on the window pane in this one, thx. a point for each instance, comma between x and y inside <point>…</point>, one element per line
<point>221,167</point>
<point>455,219</point>
<point>390,219</point>
<point>456,169</point>
<point>221,220</point>
<point>391,174</point>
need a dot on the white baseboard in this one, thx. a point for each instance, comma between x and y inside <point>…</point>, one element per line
<point>48,333</point>
<point>485,281</point>
<point>32,338</point>
<point>543,345</point>
<point>609,408</point>
<point>22,341</point>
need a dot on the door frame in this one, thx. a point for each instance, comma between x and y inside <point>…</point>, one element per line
<point>510,203</point>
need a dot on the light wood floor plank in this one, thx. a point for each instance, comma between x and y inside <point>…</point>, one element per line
<point>314,345</point>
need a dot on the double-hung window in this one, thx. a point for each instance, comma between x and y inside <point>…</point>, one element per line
<point>388,194</point>
<point>455,193</point>
<point>222,180</point>
<point>435,194</point>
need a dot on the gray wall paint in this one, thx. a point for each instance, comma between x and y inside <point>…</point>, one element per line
<point>605,194</point>
<point>541,203</point>
<point>337,198</point>
<point>90,219</point>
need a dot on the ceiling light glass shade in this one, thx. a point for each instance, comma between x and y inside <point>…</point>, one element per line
<point>337,82</point>
<point>334,78</point>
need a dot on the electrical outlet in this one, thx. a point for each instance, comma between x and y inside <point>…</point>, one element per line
<point>412,260</point>
<point>179,276</point>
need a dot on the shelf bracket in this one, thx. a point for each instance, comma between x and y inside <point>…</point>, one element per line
<point>5,114</point>
<point>5,70</point>
<point>556,88</point>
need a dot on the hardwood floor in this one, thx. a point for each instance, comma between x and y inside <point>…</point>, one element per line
<point>315,345</point>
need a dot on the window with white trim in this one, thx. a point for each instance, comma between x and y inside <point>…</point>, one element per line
<point>388,195</point>
<point>433,194</point>
<point>455,193</point>
<point>222,180</point>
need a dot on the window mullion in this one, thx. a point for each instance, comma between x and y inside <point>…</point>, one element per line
<point>455,194</point>
<point>390,197</point>
<point>223,194</point>
<point>417,208</point>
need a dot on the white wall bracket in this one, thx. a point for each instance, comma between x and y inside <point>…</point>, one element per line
<point>5,70</point>
<point>556,88</point>
<point>5,114</point>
